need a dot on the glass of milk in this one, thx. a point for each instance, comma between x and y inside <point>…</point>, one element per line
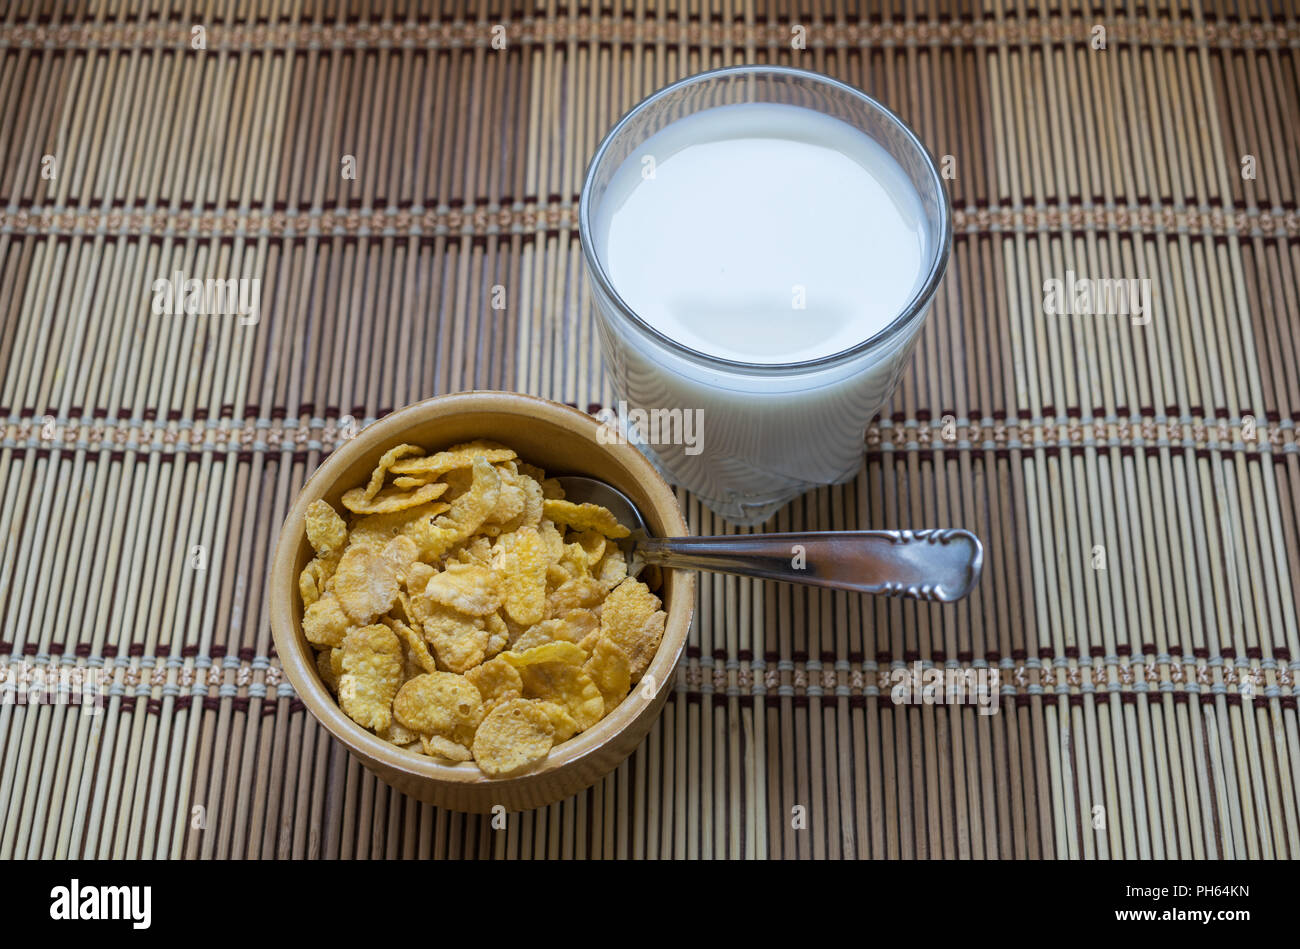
<point>762,244</point>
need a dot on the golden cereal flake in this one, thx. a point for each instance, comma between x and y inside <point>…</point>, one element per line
<point>476,550</point>
<point>453,459</point>
<point>459,642</point>
<point>365,584</point>
<point>515,736</point>
<point>575,593</point>
<point>325,667</point>
<point>611,670</point>
<point>510,500</point>
<point>498,635</point>
<point>534,503</point>
<point>566,685</point>
<point>327,532</point>
<point>458,482</point>
<point>588,642</point>
<point>466,588</point>
<point>385,463</point>
<point>585,517</point>
<point>563,726</point>
<point>632,620</point>
<point>531,472</point>
<point>497,680</point>
<point>553,540</point>
<point>324,623</point>
<point>378,529</point>
<point>416,648</point>
<point>311,582</point>
<point>593,544</point>
<point>392,500</point>
<point>557,651</point>
<point>522,562</point>
<point>417,576</point>
<point>400,552</point>
<point>465,515</point>
<point>372,672</point>
<point>572,627</point>
<point>399,734</point>
<point>436,746</point>
<point>612,569</point>
<point>438,703</point>
<point>574,562</point>
<point>408,482</point>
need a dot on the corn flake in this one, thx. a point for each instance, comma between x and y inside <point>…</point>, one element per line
<point>531,472</point>
<point>572,627</point>
<point>326,531</point>
<point>557,651</point>
<point>399,734</point>
<point>416,648</point>
<point>566,685</point>
<point>417,577</point>
<point>378,529</point>
<point>436,746</point>
<point>465,515</point>
<point>611,670</point>
<point>407,482</point>
<point>632,620</point>
<point>522,564</point>
<point>372,671</point>
<point>325,666</point>
<point>365,584</point>
<point>575,593</point>
<point>465,588</point>
<point>392,500</point>
<point>511,500</point>
<point>591,543</point>
<point>438,703</point>
<point>585,517</point>
<point>324,623</point>
<point>381,470</point>
<point>311,582</point>
<point>612,569</point>
<point>497,680</point>
<point>515,736</point>
<point>563,727</point>
<point>454,458</point>
<point>534,503</point>
<point>459,642</point>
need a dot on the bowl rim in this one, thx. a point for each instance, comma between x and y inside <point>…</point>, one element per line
<point>298,662</point>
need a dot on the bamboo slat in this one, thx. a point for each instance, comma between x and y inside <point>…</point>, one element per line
<point>1137,486</point>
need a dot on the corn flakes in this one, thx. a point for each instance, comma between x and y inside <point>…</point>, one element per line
<point>463,609</point>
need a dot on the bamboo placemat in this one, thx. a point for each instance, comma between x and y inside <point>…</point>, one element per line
<point>1137,486</point>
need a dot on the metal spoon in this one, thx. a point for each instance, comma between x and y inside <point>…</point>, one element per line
<point>938,565</point>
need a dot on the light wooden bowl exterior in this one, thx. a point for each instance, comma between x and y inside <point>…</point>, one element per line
<point>563,441</point>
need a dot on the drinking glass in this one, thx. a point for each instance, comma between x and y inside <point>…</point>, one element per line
<point>770,431</point>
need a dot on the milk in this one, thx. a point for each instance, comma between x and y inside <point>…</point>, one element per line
<point>763,233</point>
<point>755,236</point>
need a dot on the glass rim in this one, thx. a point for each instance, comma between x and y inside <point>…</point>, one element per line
<point>915,306</point>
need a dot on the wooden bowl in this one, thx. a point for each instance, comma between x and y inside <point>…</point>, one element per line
<point>563,441</point>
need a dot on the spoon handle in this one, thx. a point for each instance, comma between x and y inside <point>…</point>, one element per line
<point>938,565</point>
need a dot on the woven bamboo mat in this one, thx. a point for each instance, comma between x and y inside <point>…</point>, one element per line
<point>1137,486</point>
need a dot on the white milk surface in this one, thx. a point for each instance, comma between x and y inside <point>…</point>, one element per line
<point>765,234</point>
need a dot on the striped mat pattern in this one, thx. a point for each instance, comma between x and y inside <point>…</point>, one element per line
<point>389,170</point>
